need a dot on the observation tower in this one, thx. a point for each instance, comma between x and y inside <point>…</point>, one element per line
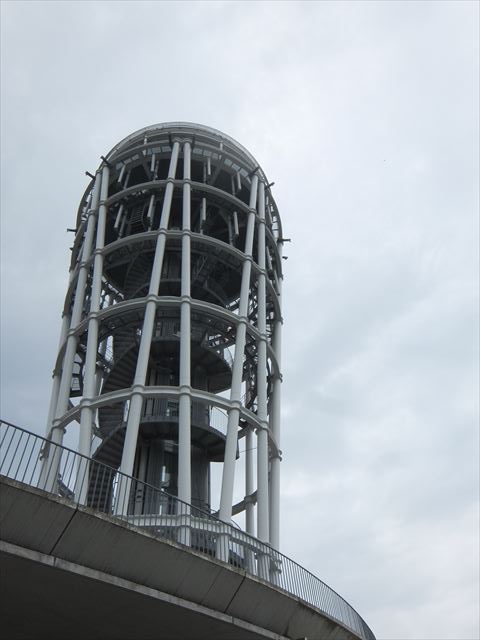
<point>170,346</point>
<point>168,374</point>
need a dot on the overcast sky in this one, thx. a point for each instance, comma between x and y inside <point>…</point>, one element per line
<point>365,114</point>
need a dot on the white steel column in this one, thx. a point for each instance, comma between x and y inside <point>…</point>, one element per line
<point>228,474</point>
<point>151,208</point>
<point>66,321</point>
<point>136,400</point>
<point>203,214</point>
<point>72,340</point>
<point>90,370</point>
<point>44,453</point>
<point>249,500</point>
<point>262,433</point>
<point>57,376</point>
<point>275,428</point>
<point>249,483</point>
<point>184,410</point>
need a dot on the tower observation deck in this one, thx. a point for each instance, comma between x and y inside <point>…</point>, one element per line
<point>168,364</point>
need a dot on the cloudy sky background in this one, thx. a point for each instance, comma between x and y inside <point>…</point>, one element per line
<point>365,114</point>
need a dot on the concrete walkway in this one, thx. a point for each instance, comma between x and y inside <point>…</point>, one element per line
<point>70,572</point>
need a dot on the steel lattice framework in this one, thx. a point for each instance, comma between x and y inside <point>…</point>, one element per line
<point>170,344</point>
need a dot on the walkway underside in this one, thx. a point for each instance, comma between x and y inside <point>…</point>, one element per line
<point>45,597</point>
<point>69,572</point>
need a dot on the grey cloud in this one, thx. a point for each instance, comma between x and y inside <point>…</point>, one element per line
<point>366,117</point>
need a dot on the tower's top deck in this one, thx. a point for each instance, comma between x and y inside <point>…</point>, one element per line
<point>208,145</point>
<point>201,133</point>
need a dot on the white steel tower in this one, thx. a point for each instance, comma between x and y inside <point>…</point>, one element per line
<point>170,345</point>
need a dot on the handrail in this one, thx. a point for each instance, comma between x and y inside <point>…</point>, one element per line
<point>35,461</point>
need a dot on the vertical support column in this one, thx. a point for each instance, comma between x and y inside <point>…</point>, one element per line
<point>262,434</point>
<point>203,214</point>
<point>184,410</point>
<point>140,474</point>
<point>151,207</point>
<point>275,428</point>
<point>53,402</point>
<point>249,504</point>
<point>90,370</point>
<point>228,474</point>
<point>52,460</point>
<point>262,412</point>
<point>57,375</point>
<point>136,398</point>
<point>66,321</point>
<point>249,483</point>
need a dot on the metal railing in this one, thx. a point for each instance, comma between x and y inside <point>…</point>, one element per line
<point>201,414</point>
<point>35,461</point>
